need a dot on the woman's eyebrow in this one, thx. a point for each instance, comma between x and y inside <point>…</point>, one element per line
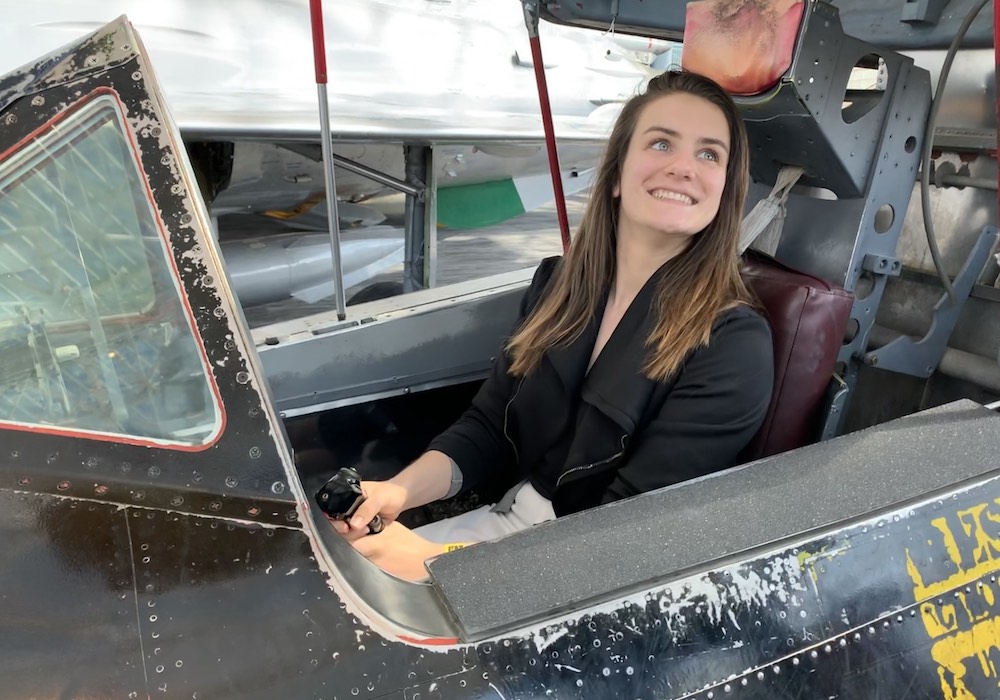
<point>707,140</point>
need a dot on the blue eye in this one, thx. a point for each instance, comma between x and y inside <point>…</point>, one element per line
<point>710,155</point>
<point>660,145</point>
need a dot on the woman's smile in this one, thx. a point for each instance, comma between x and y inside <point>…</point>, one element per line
<point>672,196</point>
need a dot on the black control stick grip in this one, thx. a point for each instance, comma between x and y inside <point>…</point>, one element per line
<point>341,496</point>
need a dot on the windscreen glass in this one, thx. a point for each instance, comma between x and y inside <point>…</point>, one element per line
<point>94,334</point>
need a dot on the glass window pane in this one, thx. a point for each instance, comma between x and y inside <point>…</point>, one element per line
<point>94,334</point>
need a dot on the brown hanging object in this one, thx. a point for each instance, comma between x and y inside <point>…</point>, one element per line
<point>744,45</point>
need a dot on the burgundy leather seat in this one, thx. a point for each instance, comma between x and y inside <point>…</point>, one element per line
<point>808,318</point>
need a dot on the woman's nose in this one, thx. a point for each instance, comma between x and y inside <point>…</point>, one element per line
<point>681,165</point>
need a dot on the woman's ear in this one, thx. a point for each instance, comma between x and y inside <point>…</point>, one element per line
<point>616,190</point>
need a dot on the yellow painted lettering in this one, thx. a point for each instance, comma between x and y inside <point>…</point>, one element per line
<point>988,595</point>
<point>938,624</point>
<point>962,577</point>
<point>987,549</point>
<point>950,545</point>
<point>952,652</point>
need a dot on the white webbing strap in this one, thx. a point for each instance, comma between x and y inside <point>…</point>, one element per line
<point>763,223</point>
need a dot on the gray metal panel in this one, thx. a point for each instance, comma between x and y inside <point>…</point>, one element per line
<point>831,238</point>
<point>801,122</point>
<point>664,20</point>
<point>432,337</point>
<point>628,545</point>
<point>836,249</point>
<point>879,21</point>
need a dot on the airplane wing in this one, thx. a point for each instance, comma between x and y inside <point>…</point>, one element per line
<point>247,73</point>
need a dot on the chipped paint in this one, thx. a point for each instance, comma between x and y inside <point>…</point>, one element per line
<point>811,561</point>
<point>543,640</point>
<point>106,48</point>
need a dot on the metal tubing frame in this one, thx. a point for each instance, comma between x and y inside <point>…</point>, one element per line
<point>307,150</point>
<point>430,219</point>
<point>416,159</point>
<point>379,177</point>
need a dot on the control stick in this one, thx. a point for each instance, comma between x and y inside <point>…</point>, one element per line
<point>341,496</point>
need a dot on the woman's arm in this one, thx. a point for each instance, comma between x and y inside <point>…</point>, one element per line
<point>473,445</point>
<point>427,479</point>
<point>477,441</point>
<point>714,409</point>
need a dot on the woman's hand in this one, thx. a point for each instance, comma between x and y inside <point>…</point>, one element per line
<point>399,551</point>
<point>383,498</point>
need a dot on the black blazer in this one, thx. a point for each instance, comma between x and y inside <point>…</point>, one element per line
<point>631,434</point>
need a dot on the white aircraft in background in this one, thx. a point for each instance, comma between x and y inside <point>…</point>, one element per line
<point>455,74</point>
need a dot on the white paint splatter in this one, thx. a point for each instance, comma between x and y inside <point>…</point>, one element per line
<point>744,586</point>
<point>542,643</point>
<point>565,667</point>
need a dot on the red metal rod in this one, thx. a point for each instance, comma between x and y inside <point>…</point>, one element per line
<point>319,40</point>
<point>550,140</point>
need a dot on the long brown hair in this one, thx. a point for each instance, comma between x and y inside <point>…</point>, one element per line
<point>698,284</point>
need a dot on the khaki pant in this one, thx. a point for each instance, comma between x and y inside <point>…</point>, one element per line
<point>528,508</point>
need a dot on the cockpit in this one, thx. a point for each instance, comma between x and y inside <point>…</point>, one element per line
<point>131,379</point>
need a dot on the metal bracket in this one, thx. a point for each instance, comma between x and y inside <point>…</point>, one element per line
<point>957,138</point>
<point>922,11</point>
<point>836,399</point>
<point>919,358</point>
<point>531,14</point>
<point>881,265</point>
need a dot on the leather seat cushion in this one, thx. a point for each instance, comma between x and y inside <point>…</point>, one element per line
<point>808,319</point>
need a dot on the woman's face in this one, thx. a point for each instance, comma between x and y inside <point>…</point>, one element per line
<point>674,171</point>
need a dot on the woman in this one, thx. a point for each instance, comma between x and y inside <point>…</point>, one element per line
<point>637,362</point>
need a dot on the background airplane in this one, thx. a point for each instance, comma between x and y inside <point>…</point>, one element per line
<point>240,86</point>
